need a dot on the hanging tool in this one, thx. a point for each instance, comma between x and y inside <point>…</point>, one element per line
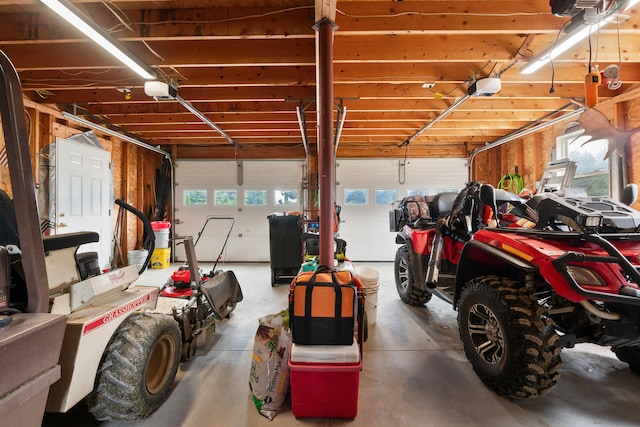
<point>512,182</point>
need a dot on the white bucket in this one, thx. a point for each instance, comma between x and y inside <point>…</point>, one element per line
<point>137,257</point>
<point>162,238</point>
<point>161,232</point>
<point>370,279</point>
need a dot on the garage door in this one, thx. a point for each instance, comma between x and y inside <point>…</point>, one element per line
<point>248,192</point>
<point>364,189</point>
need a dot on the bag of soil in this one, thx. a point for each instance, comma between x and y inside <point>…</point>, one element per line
<point>269,375</point>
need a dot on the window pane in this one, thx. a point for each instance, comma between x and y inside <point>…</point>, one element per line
<point>255,197</point>
<point>355,197</point>
<point>385,197</point>
<point>286,197</point>
<point>417,192</point>
<point>592,171</point>
<point>226,197</point>
<point>194,197</point>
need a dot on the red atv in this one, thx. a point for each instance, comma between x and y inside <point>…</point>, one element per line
<point>526,277</point>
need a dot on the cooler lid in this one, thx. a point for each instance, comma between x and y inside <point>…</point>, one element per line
<point>325,353</point>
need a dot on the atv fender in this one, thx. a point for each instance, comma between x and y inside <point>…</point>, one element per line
<point>418,265</point>
<point>480,259</point>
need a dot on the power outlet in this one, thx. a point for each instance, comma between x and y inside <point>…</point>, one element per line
<point>428,85</point>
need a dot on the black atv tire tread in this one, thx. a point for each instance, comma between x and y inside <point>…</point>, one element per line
<point>409,294</point>
<point>120,393</point>
<point>629,355</point>
<point>532,346</point>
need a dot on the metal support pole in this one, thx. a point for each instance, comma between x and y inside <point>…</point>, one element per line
<point>324,105</point>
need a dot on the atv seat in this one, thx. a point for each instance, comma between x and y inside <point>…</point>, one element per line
<point>442,203</point>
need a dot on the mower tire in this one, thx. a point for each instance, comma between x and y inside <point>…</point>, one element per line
<point>408,292</point>
<point>507,338</point>
<point>138,368</point>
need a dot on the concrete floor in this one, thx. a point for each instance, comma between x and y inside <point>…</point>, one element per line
<point>414,373</point>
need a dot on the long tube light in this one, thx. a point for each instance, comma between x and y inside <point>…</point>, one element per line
<point>79,20</point>
<point>567,43</point>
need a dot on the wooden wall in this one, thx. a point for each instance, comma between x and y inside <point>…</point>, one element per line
<point>134,167</point>
<point>532,152</point>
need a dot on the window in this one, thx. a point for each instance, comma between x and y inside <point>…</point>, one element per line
<point>194,197</point>
<point>355,196</point>
<point>595,174</point>
<point>592,172</point>
<point>286,197</point>
<point>226,197</point>
<point>417,192</point>
<point>386,197</point>
<point>255,197</point>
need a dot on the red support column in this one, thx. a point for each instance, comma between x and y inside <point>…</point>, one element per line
<point>326,161</point>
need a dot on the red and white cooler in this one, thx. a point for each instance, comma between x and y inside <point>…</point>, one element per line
<point>324,380</point>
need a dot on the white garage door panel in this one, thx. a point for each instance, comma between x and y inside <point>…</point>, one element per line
<point>365,228</point>
<point>249,241</point>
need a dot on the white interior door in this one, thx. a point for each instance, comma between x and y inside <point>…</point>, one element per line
<point>83,180</point>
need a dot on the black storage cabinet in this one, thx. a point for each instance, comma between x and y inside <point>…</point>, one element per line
<point>285,241</point>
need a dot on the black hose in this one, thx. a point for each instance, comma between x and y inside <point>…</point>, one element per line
<point>151,237</point>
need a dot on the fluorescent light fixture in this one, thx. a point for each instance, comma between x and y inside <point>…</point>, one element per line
<point>561,47</point>
<point>566,43</point>
<point>76,18</point>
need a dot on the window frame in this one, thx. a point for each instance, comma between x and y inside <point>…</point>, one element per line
<point>215,197</point>
<point>184,197</point>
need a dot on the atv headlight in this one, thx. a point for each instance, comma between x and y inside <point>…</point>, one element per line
<point>588,221</point>
<point>585,276</point>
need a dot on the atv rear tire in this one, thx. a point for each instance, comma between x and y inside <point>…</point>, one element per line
<point>408,292</point>
<point>630,355</point>
<point>138,368</point>
<point>507,338</point>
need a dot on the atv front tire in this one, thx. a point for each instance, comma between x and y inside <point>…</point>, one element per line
<point>507,339</point>
<point>138,368</point>
<point>630,355</point>
<point>408,292</point>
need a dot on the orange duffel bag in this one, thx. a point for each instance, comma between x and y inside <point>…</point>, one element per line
<point>324,306</point>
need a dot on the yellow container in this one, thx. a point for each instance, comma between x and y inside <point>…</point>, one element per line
<point>161,258</point>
